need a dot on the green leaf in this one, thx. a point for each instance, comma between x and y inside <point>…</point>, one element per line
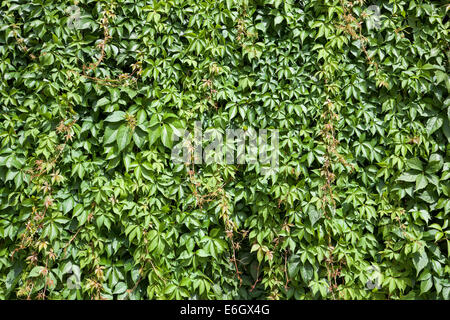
<point>426,285</point>
<point>278,20</point>
<point>123,137</point>
<point>36,271</point>
<point>115,95</point>
<point>307,272</point>
<point>46,59</point>
<point>293,268</point>
<point>116,116</point>
<point>102,102</point>
<point>139,137</point>
<point>420,260</point>
<point>110,134</point>
<point>313,214</point>
<point>77,210</point>
<point>260,255</point>
<point>440,76</point>
<point>421,182</point>
<point>435,163</point>
<point>433,124</point>
<point>202,253</point>
<point>12,277</point>
<point>407,177</point>
<point>414,163</point>
<point>120,288</point>
<point>166,136</point>
<point>154,134</point>
<point>68,205</point>
<point>233,112</point>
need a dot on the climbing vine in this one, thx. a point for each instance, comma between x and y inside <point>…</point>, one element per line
<point>93,205</point>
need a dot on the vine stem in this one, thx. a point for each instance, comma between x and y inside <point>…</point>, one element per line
<point>257,279</point>
<point>70,241</point>
<point>285,270</point>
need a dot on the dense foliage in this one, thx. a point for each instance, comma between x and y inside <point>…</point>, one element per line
<point>92,206</point>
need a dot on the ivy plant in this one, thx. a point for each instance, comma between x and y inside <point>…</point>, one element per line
<point>92,205</point>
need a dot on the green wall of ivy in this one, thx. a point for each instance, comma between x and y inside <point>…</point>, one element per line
<point>92,206</point>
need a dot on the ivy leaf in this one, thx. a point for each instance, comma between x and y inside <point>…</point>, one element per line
<point>427,196</point>
<point>233,111</point>
<point>202,253</point>
<point>421,182</point>
<point>102,102</point>
<point>36,271</point>
<point>293,268</point>
<point>47,59</point>
<point>166,136</point>
<point>426,285</point>
<point>123,137</point>
<point>120,288</point>
<point>420,260</point>
<point>407,177</point>
<point>313,214</point>
<point>435,163</point>
<point>278,20</point>
<point>115,94</point>
<point>434,124</point>
<point>154,134</point>
<point>414,163</point>
<point>110,134</point>
<point>139,137</point>
<point>86,157</point>
<point>116,116</point>
<point>307,272</point>
<point>12,277</point>
<point>440,76</point>
<point>68,205</point>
